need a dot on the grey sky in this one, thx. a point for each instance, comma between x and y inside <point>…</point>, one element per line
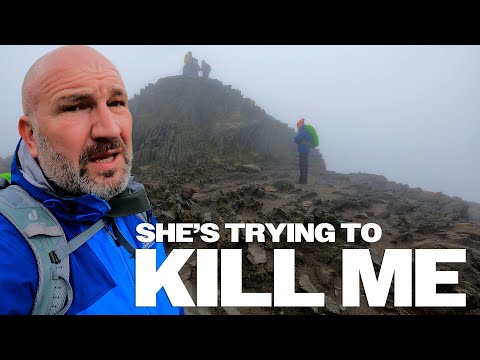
<point>410,113</point>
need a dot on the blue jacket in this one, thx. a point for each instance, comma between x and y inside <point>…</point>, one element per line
<point>101,273</point>
<point>304,140</point>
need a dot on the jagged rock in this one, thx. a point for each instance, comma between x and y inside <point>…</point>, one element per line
<point>322,216</point>
<point>283,185</point>
<point>400,208</point>
<point>165,217</point>
<point>332,307</point>
<point>308,195</point>
<point>185,272</point>
<point>180,199</point>
<point>253,190</point>
<point>376,258</point>
<point>306,204</point>
<point>279,213</point>
<point>256,254</point>
<point>207,218</point>
<point>306,284</point>
<point>317,202</point>
<point>187,192</point>
<point>202,199</point>
<point>351,203</point>
<point>458,209</point>
<point>405,236</point>
<point>361,216</point>
<point>204,311</point>
<point>231,310</point>
<point>250,168</point>
<point>326,275</point>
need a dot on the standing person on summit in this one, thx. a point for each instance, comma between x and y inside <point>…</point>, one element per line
<point>206,68</point>
<point>187,58</point>
<point>191,66</point>
<point>187,64</point>
<point>195,68</point>
<point>304,141</point>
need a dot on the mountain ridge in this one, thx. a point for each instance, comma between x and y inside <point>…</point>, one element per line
<point>180,119</point>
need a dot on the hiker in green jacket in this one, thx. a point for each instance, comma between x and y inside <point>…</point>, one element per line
<point>304,141</point>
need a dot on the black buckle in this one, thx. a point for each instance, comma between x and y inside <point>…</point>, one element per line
<point>54,258</point>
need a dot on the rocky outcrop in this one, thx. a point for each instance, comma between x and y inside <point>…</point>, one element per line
<point>181,120</point>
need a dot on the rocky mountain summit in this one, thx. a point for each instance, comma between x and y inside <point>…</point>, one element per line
<point>182,120</point>
<point>207,154</point>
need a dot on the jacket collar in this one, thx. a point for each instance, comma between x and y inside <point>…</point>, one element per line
<point>26,172</point>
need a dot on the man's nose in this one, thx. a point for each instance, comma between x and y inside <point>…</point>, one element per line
<point>105,123</point>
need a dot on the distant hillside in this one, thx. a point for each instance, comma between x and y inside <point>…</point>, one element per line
<point>180,120</point>
<point>5,164</point>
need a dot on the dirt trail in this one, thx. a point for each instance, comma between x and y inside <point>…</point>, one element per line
<point>409,219</point>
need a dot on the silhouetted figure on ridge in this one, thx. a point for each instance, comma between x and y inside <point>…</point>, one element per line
<point>187,58</point>
<point>206,68</point>
<point>190,66</point>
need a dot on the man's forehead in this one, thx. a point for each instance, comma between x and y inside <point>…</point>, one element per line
<point>70,60</point>
<point>67,56</point>
<point>89,79</point>
<point>77,70</point>
<point>67,66</point>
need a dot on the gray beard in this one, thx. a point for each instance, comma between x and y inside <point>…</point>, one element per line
<point>74,179</point>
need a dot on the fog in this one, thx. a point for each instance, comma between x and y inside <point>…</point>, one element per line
<point>410,113</point>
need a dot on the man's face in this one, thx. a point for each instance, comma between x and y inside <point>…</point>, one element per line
<point>83,128</point>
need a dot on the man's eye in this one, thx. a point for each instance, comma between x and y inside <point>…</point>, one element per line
<point>73,108</point>
<point>116,103</point>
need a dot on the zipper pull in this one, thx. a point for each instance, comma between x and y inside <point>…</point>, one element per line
<point>107,229</point>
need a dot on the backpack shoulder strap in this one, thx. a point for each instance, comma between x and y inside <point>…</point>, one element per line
<point>44,234</point>
<point>145,216</point>
<point>3,183</point>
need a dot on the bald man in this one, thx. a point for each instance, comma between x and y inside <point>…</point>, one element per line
<point>75,157</point>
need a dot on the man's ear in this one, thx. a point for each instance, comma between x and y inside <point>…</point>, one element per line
<point>26,132</point>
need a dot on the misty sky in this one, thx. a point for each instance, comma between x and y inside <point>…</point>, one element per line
<point>410,113</point>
